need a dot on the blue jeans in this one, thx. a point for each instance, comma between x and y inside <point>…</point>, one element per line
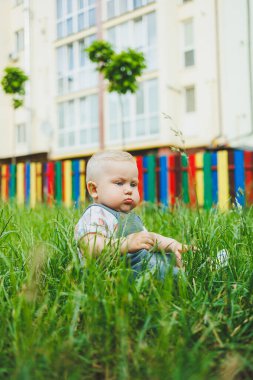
<point>157,263</point>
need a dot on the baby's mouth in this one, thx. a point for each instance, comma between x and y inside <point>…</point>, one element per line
<point>128,201</point>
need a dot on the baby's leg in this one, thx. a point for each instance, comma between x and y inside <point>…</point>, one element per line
<point>156,263</point>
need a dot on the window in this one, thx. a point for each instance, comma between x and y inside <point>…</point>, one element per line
<point>69,6</point>
<point>78,122</point>
<point>139,34</point>
<point>59,9</point>
<point>80,4</point>
<point>145,38</point>
<point>21,133</point>
<point>61,118</point>
<point>140,113</point>
<point>190,99</point>
<point>19,40</point>
<point>137,3</point>
<point>81,24</point>
<point>118,7</point>
<point>147,122</point>
<point>67,123</point>
<point>120,114</point>
<point>150,50</point>
<point>88,114</point>
<point>120,36</point>
<point>123,7</point>
<point>87,75</point>
<point>74,16</point>
<point>69,25</point>
<point>111,12</point>
<point>188,38</point>
<point>86,14</point>
<point>75,71</point>
<point>140,101</point>
<point>141,3</point>
<point>70,50</point>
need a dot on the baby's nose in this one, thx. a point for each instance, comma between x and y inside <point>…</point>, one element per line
<point>128,189</point>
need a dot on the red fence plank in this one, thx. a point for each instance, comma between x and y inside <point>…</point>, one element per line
<point>139,162</point>
<point>172,180</point>
<point>248,165</point>
<point>192,179</point>
<point>50,183</point>
<point>231,175</point>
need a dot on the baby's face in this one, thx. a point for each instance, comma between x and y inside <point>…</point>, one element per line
<point>117,186</point>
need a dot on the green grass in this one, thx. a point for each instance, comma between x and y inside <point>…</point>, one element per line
<point>59,321</point>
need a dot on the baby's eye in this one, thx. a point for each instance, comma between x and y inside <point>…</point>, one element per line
<point>133,184</point>
<point>119,183</point>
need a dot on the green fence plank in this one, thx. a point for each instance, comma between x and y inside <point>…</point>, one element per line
<point>12,181</point>
<point>58,182</point>
<point>207,180</point>
<point>185,183</point>
<point>151,178</point>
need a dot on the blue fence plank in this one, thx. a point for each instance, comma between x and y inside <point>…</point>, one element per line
<point>164,180</point>
<point>76,181</point>
<point>27,182</point>
<point>239,177</point>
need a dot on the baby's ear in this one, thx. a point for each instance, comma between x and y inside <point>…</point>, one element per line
<point>92,189</point>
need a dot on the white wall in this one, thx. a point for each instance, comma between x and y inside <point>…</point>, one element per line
<point>5,102</point>
<point>42,75</point>
<point>215,120</point>
<point>37,60</point>
<point>235,70</point>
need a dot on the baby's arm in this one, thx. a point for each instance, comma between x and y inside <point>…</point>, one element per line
<point>130,244</point>
<point>94,244</point>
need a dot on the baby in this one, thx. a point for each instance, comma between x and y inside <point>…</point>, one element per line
<point>112,182</point>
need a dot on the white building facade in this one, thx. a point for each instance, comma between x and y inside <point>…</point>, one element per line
<point>198,78</point>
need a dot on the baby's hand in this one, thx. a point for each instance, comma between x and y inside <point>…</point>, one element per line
<point>178,249</point>
<point>136,241</point>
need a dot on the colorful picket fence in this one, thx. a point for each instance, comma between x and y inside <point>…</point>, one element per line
<point>204,179</point>
<point>61,182</point>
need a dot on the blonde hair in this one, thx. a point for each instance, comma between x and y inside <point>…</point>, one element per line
<point>99,158</point>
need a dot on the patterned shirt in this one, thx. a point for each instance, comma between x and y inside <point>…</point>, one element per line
<point>96,220</point>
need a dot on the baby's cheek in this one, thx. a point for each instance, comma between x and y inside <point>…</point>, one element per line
<point>137,196</point>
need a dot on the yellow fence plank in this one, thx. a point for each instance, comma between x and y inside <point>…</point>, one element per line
<point>21,183</point>
<point>67,167</point>
<point>32,184</point>
<point>39,182</point>
<point>82,181</point>
<point>199,179</point>
<point>4,182</point>
<point>223,180</point>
